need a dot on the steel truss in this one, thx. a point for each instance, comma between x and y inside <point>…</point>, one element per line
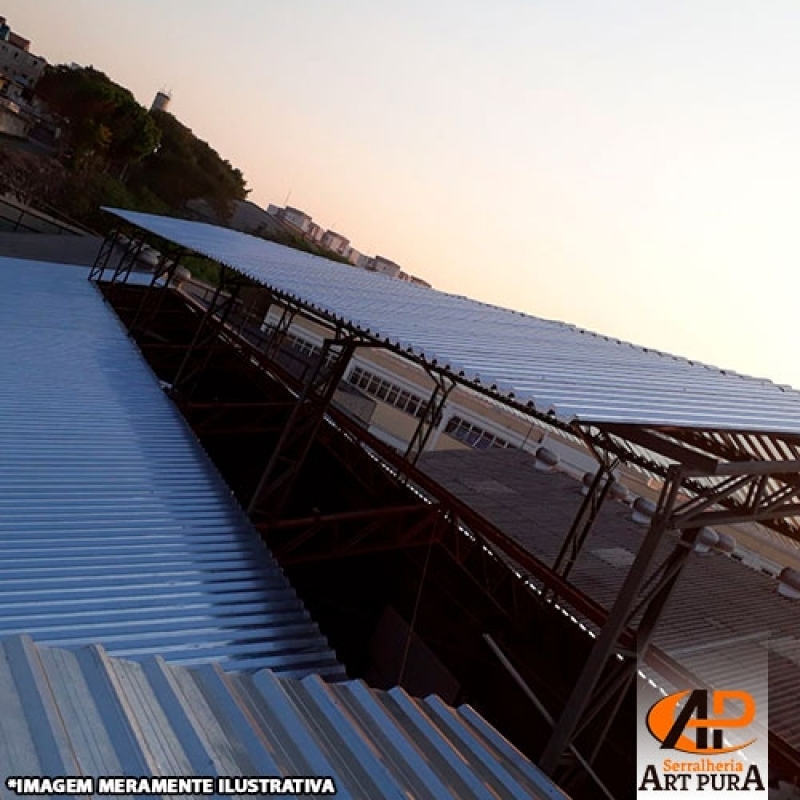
<point>301,429</point>
<point>206,335</point>
<point>107,247</point>
<point>587,514</point>
<point>431,416</point>
<point>342,535</point>
<point>611,666</point>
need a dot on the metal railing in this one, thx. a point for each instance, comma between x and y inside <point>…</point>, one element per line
<point>18,218</point>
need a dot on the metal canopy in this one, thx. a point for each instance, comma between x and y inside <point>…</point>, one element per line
<point>650,409</point>
<point>559,369</point>
<point>726,447</point>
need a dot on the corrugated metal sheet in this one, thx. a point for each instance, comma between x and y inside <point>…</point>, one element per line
<point>83,713</point>
<point>718,601</point>
<point>559,368</point>
<point>114,525</point>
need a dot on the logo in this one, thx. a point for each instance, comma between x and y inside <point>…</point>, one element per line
<point>690,729</point>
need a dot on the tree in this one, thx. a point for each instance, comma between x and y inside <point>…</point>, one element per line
<point>186,167</point>
<point>105,124</point>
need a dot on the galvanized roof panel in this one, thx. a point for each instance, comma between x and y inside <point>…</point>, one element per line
<point>85,713</point>
<point>558,368</point>
<point>114,525</point>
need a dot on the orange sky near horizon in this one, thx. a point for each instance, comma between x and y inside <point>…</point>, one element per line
<point>630,169</point>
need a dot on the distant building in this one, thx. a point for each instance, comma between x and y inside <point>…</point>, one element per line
<point>404,276</point>
<point>19,68</point>
<point>335,242</point>
<point>299,222</point>
<point>316,232</point>
<point>161,101</point>
<point>385,266</point>
<point>296,218</point>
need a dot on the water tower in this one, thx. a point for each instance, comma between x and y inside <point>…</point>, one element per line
<point>161,101</point>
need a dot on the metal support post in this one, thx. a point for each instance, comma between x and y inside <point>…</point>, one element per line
<point>206,334</point>
<point>607,641</point>
<point>288,458</point>
<point>125,264</point>
<point>107,247</point>
<point>151,301</point>
<point>278,335</point>
<point>430,418</point>
<point>584,519</point>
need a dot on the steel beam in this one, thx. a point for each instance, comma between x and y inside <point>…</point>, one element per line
<point>585,518</point>
<point>111,240</point>
<point>431,416</point>
<point>327,537</point>
<point>608,640</point>
<point>152,300</point>
<point>206,335</point>
<point>298,436</point>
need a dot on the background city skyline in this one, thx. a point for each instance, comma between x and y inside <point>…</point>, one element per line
<point>630,169</point>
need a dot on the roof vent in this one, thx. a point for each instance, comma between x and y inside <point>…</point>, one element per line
<point>706,539</point>
<point>790,583</point>
<point>726,543</point>
<point>546,460</point>
<point>618,492</point>
<point>643,511</point>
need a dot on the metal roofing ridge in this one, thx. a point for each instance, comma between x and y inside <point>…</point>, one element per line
<point>86,713</point>
<point>54,489</point>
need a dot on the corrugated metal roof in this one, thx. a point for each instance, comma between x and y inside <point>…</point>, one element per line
<point>83,713</point>
<point>717,599</point>
<point>114,525</point>
<point>572,373</point>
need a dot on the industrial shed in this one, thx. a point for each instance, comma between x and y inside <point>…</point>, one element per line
<point>722,447</point>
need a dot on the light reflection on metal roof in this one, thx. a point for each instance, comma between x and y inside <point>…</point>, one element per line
<point>83,713</point>
<point>114,525</point>
<point>560,369</point>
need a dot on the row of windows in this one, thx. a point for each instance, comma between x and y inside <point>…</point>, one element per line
<point>473,435</point>
<point>303,345</point>
<point>387,392</point>
<point>413,404</point>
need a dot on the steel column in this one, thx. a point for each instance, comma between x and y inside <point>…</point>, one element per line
<point>584,519</point>
<point>298,436</point>
<point>100,265</point>
<point>607,641</point>
<point>151,301</point>
<point>207,333</point>
<point>430,416</point>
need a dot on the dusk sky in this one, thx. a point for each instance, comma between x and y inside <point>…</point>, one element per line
<point>629,167</point>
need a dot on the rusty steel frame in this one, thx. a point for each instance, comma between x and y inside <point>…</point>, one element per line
<point>236,418</point>
<point>326,537</point>
<point>640,595</point>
